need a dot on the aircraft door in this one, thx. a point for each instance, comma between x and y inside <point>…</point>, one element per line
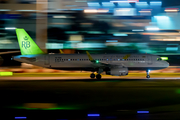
<point>47,60</point>
<point>149,58</point>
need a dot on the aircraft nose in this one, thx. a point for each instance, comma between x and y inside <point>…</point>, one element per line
<point>167,64</point>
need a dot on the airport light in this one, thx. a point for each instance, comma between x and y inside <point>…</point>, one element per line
<point>26,10</point>
<point>171,10</point>
<point>141,3</point>
<point>59,17</point>
<point>138,30</point>
<point>111,40</point>
<point>156,3</point>
<point>129,1</point>
<point>5,10</point>
<point>93,4</point>
<point>144,11</point>
<point>6,73</point>
<point>93,115</point>
<point>10,28</point>
<point>20,118</point>
<point>96,11</point>
<point>90,11</point>
<point>164,58</point>
<point>142,111</point>
<point>152,28</point>
<point>108,4</point>
<point>120,34</point>
<point>123,10</point>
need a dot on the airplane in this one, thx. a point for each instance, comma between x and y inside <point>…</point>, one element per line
<point>111,64</point>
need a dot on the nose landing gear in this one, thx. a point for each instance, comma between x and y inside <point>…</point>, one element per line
<point>147,72</point>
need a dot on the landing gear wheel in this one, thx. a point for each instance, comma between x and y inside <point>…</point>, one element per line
<point>92,76</point>
<point>148,76</point>
<point>98,76</point>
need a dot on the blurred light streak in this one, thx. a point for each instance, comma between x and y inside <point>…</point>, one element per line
<point>171,39</point>
<point>108,4</point>
<point>95,32</point>
<point>171,10</point>
<point>123,10</point>
<point>27,10</point>
<point>92,4</point>
<point>128,1</point>
<point>141,3</point>
<point>162,17</point>
<point>71,32</point>
<point>124,4</point>
<point>95,11</point>
<point>111,40</point>
<point>20,118</point>
<point>120,34</point>
<point>59,17</point>
<point>166,39</point>
<point>5,10</point>
<point>164,58</point>
<point>90,45</point>
<point>156,3</point>
<point>138,30</point>
<point>102,11</point>
<point>81,1</point>
<point>10,28</point>
<point>76,38</point>
<point>144,11</point>
<point>152,28</point>
<point>54,46</point>
<point>77,9</point>
<point>93,115</point>
<point>6,73</point>
<point>142,111</point>
<point>172,49</point>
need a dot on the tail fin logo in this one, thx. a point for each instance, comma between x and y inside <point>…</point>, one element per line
<point>26,44</point>
<point>26,38</point>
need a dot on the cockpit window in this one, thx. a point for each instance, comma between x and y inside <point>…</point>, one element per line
<point>159,59</point>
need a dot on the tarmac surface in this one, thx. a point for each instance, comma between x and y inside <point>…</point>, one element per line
<point>75,98</point>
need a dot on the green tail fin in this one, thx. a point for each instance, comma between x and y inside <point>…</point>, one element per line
<point>26,43</point>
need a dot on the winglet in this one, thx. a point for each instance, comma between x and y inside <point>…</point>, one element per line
<point>61,51</point>
<point>89,56</point>
<point>127,56</point>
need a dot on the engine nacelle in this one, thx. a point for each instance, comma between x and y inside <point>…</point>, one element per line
<point>118,71</point>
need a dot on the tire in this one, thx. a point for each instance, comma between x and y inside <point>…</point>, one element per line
<point>98,76</point>
<point>92,76</point>
<point>148,76</point>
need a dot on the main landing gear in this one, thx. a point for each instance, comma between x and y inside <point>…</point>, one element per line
<point>92,76</point>
<point>98,76</point>
<point>147,72</point>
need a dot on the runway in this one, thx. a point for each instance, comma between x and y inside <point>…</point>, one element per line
<point>75,78</point>
<point>75,98</point>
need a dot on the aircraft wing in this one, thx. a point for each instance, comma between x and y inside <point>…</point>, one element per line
<point>97,63</point>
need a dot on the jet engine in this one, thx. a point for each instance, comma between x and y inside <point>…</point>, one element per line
<point>117,71</point>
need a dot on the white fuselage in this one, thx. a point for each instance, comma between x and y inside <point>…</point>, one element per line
<point>82,62</point>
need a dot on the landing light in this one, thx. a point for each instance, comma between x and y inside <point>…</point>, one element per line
<point>164,58</point>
